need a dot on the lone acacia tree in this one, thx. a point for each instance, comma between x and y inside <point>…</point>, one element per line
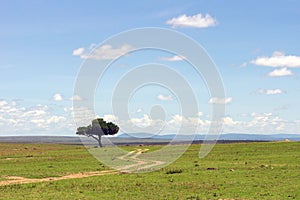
<point>97,129</point>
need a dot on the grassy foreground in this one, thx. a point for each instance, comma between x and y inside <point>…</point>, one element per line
<point>242,171</point>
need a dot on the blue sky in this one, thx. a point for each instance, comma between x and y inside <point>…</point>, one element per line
<point>254,44</point>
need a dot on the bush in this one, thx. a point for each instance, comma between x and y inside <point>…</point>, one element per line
<point>174,171</point>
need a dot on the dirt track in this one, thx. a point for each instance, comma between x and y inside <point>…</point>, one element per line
<point>139,165</point>
<point>22,180</point>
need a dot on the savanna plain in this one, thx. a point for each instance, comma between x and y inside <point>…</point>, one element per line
<point>263,170</point>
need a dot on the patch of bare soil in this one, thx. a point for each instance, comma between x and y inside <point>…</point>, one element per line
<point>140,165</point>
<point>23,180</point>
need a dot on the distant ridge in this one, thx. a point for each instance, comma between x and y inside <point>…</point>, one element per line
<point>41,139</point>
<point>146,138</point>
<point>227,136</point>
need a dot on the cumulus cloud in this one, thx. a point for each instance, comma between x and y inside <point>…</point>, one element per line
<point>280,72</point>
<point>57,97</point>
<point>216,100</point>
<point>261,123</point>
<point>270,91</point>
<point>258,123</point>
<point>165,97</point>
<point>42,119</point>
<point>104,52</point>
<point>196,21</point>
<point>3,103</point>
<point>177,119</point>
<point>55,119</point>
<point>260,119</point>
<point>39,119</point>
<point>230,121</point>
<point>199,114</point>
<point>34,113</point>
<point>76,98</point>
<point>173,58</point>
<point>244,64</point>
<point>78,52</point>
<point>60,97</point>
<point>142,122</point>
<point>110,118</point>
<point>83,115</point>
<point>139,110</point>
<point>275,91</point>
<point>187,124</point>
<point>278,59</point>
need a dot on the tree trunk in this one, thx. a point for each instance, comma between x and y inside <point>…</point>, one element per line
<point>99,140</point>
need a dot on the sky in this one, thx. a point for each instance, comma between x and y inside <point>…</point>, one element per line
<point>254,45</point>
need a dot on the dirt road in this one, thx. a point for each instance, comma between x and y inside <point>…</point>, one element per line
<point>140,164</point>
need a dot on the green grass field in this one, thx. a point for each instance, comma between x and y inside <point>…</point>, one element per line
<point>243,171</point>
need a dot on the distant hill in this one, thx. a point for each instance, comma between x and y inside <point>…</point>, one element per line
<point>41,139</point>
<point>146,138</point>
<point>228,136</point>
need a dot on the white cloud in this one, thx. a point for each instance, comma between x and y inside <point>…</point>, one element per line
<point>244,64</point>
<point>216,100</point>
<point>110,118</point>
<point>35,112</point>
<point>60,97</point>
<point>270,91</point>
<point>139,110</point>
<point>105,52</point>
<point>76,98</point>
<point>83,115</point>
<point>280,127</point>
<point>57,97</point>
<point>197,21</point>
<point>229,121</point>
<point>3,103</point>
<point>278,59</point>
<point>275,91</point>
<point>261,123</point>
<point>67,109</point>
<point>39,119</point>
<point>280,72</point>
<point>55,119</point>
<point>42,119</point>
<point>78,52</point>
<point>177,119</point>
<point>199,114</point>
<point>165,97</point>
<point>187,124</point>
<point>260,119</point>
<point>12,121</point>
<point>142,122</point>
<point>173,58</point>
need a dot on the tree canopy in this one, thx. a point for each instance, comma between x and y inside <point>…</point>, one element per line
<point>97,129</point>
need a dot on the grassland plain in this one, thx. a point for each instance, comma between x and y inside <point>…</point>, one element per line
<point>240,171</point>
